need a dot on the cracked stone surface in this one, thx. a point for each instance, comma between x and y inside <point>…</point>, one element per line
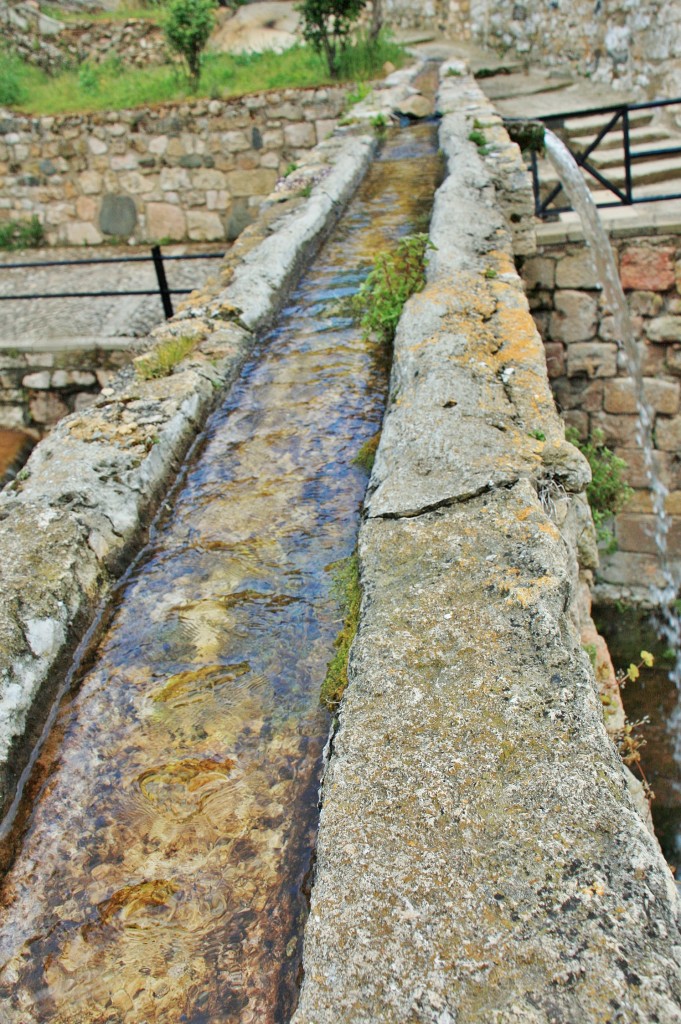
<point>480,856</point>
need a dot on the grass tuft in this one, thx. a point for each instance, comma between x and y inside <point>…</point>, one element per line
<point>162,359</point>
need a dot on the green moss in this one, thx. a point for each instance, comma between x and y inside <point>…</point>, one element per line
<point>347,589</point>
<point>366,456</point>
<point>164,358</point>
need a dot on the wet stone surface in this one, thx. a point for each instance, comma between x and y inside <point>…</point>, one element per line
<point>160,875</point>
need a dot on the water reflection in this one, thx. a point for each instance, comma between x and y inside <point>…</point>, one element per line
<point>161,875</point>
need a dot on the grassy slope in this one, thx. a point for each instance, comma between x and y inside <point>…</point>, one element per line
<point>109,87</point>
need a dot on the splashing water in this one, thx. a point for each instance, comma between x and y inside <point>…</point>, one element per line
<point>577,192</point>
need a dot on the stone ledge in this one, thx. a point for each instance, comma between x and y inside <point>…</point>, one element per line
<point>480,857</point>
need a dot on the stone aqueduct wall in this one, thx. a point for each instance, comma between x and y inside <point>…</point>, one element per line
<point>591,383</point>
<point>194,171</point>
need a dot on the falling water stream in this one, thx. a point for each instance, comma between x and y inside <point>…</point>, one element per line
<point>159,874</point>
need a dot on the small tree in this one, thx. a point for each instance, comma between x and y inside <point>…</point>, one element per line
<point>188,26</point>
<point>327,25</point>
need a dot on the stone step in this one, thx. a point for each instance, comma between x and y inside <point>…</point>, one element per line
<point>615,157</point>
<point>646,173</point>
<point>590,126</point>
<point>638,137</point>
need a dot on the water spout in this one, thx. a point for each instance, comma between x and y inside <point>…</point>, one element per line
<point>577,192</point>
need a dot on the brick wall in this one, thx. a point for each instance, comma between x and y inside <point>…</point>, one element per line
<point>590,380</point>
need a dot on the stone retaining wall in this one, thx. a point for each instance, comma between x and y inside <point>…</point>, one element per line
<point>190,171</point>
<point>594,392</point>
<point>38,388</point>
<point>53,45</point>
<point>480,857</point>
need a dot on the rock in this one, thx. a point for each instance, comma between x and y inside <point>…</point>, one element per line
<point>416,107</point>
<point>117,216</point>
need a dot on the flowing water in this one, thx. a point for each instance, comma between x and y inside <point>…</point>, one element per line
<point>160,873</point>
<point>572,180</point>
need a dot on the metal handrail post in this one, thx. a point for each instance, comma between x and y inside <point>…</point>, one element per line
<point>627,156</point>
<point>162,281</point>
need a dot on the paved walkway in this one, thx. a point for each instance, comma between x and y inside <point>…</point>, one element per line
<point>86,320</point>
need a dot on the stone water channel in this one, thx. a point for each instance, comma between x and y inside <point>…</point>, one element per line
<point>159,872</point>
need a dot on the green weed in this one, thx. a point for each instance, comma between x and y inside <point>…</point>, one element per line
<point>608,492</point>
<point>396,275</point>
<point>22,234</point>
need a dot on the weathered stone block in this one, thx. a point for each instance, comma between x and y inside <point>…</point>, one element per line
<point>251,183</point>
<point>664,328</point>
<point>208,179</point>
<point>37,381</point>
<point>80,233</point>
<point>174,179</point>
<point>97,146</point>
<point>647,268</point>
<point>204,226</point>
<point>539,272</point>
<point>616,429</point>
<point>645,303</point>
<point>124,162</point>
<point>592,358</point>
<point>635,473</point>
<point>72,378</point>
<point>577,271</point>
<point>300,136</point>
<point>90,182</point>
<point>555,359</point>
<point>163,220</point>
<point>118,215</point>
<point>668,434</point>
<point>46,408</point>
<point>575,317</point>
<point>620,396</point>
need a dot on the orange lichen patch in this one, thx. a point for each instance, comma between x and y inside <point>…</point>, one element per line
<point>132,899</point>
<point>503,260</point>
<point>548,528</point>
<point>527,594</point>
<point>524,514</point>
<point>196,684</point>
<point>521,341</point>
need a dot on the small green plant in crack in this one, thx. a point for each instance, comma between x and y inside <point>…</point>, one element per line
<point>366,456</point>
<point>346,588</point>
<point>290,168</point>
<point>538,435</point>
<point>491,273</point>
<point>163,358</point>
<point>608,492</point>
<point>396,275</point>
<point>379,123</point>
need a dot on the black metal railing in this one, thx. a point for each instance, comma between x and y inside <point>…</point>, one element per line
<point>618,120</point>
<point>163,290</point>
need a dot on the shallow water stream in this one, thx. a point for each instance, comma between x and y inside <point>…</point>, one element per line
<point>160,874</point>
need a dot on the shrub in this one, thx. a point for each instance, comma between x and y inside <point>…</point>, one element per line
<point>188,26</point>
<point>327,25</point>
